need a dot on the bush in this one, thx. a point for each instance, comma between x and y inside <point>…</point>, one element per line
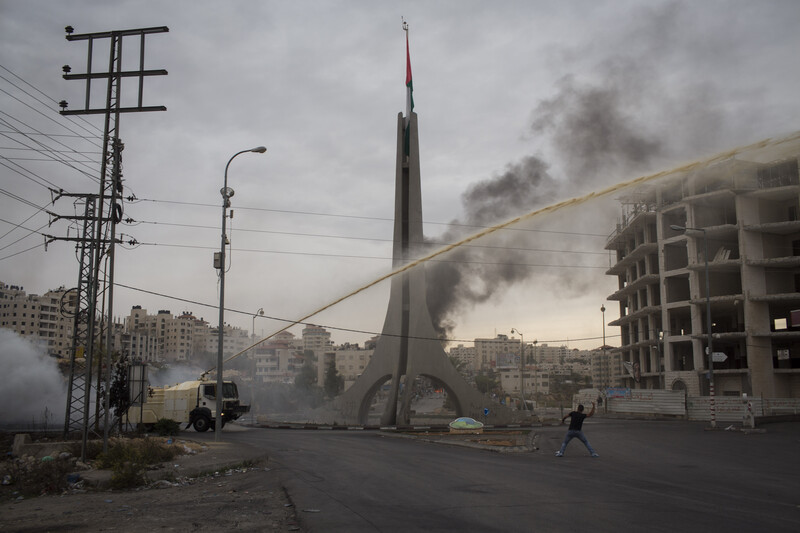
<point>31,477</point>
<point>129,459</point>
<point>166,427</point>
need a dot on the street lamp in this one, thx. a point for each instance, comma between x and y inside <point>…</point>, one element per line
<point>606,367</point>
<point>260,312</point>
<point>226,193</point>
<point>709,348</point>
<point>521,372</point>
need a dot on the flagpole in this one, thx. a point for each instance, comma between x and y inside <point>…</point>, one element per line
<point>409,105</point>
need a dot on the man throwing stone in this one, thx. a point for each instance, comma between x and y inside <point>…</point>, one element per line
<point>575,425</point>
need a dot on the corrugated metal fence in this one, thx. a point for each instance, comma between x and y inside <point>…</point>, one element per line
<point>729,409</point>
<point>650,402</point>
<point>675,403</point>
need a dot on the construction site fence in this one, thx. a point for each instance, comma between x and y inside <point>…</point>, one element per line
<point>654,402</point>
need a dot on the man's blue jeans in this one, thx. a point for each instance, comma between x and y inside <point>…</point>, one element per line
<point>575,434</point>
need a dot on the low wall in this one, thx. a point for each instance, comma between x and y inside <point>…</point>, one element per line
<point>657,402</point>
<point>734,409</point>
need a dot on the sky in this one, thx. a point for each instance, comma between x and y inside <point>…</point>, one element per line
<point>520,104</point>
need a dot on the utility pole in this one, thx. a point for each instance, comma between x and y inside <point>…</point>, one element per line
<point>101,214</point>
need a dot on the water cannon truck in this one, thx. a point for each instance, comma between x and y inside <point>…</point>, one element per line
<point>193,403</point>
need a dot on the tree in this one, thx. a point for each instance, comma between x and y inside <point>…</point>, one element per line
<point>306,378</point>
<point>334,383</point>
<point>119,396</point>
<point>485,383</point>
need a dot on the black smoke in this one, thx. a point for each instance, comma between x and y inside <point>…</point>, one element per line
<point>618,125</point>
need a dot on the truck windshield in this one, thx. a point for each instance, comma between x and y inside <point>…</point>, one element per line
<point>229,390</point>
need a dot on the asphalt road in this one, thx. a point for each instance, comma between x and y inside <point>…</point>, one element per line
<point>650,476</point>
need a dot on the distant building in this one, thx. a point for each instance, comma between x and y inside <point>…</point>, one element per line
<point>488,350</point>
<point>278,359</point>
<point>46,320</point>
<point>466,355</point>
<point>351,362</point>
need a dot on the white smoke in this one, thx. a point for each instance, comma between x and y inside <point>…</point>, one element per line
<point>165,377</point>
<point>34,391</point>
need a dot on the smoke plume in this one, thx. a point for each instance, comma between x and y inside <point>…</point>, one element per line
<point>597,133</point>
<point>34,391</point>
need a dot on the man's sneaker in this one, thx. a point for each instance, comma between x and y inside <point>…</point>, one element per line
<point>559,454</point>
<point>595,455</point>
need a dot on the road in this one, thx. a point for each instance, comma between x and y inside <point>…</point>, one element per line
<point>650,476</point>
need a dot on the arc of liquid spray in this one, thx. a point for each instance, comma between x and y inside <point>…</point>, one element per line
<point>549,209</point>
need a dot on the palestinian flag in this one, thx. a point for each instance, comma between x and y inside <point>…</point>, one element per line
<point>409,95</point>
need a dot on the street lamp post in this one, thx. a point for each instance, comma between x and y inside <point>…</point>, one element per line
<point>709,348</point>
<point>521,367</point>
<point>606,367</point>
<point>226,193</point>
<point>260,312</point>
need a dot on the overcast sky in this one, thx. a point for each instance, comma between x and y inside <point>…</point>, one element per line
<point>520,104</point>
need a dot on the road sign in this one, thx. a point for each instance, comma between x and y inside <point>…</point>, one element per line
<point>718,357</point>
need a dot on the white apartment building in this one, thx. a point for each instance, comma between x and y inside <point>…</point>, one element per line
<point>467,355</point>
<point>534,381</point>
<point>488,350</point>
<point>606,368</point>
<point>746,213</point>
<point>47,320</point>
<point>351,362</point>
<point>179,338</point>
<point>137,346</point>
<point>316,339</point>
<point>277,363</point>
<point>542,353</point>
<point>234,340</point>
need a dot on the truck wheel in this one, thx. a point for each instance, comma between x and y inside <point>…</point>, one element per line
<point>202,423</point>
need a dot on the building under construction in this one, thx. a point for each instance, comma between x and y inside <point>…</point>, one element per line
<point>744,212</point>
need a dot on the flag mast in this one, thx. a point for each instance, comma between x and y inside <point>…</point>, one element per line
<point>409,88</point>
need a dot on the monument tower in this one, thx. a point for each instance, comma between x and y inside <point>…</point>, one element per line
<point>408,346</point>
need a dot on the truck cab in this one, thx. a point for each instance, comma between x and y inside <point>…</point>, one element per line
<point>202,416</point>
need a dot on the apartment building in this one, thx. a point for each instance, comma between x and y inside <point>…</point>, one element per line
<point>279,359</point>
<point>737,223</point>
<point>234,340</point>
<point>466,355</point>
<point>47,320</point>
<point>488,350</point>
<point>606,368</point>
<point>316,338</point>
<point>351,361</point>
<point>534,381</point>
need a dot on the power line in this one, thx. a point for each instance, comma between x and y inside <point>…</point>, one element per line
<point>428,243</point>
<point>29,178</point>
<point>22,252</point>
<point>349,330</point>
<point>345,256</point>
<point>26,133</point>
<point>47,148</point>
<point>337,215</point>
<point>19,198</point>
<point>54,151</point>
<point>98,130</point>
<point>19,226</point>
